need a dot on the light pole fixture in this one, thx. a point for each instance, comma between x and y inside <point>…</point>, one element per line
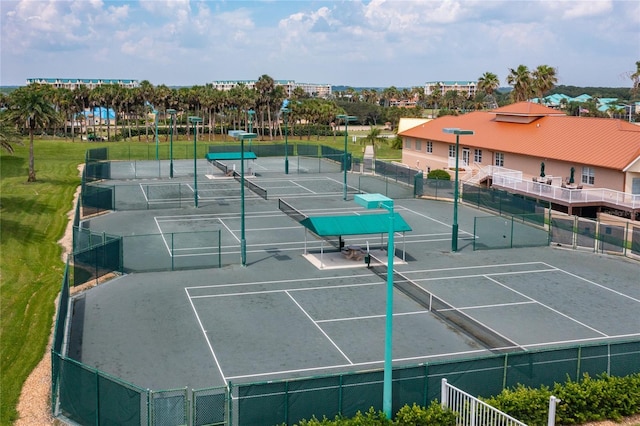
<point>285,111</point>
<point>172,113</point>
<point>454,231</point>
<point>239,134</point>
<point>346,119</point>
<point>376,201</point>
<point>195,121</point>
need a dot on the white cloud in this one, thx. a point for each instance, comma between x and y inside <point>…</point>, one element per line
<point>392,42</point>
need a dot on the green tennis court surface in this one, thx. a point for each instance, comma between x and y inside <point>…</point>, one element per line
<point>282,316</point>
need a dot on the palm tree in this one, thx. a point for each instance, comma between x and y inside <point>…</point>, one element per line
<point>544,79</point>
<point>264,87</point>
<point>488,84</point>
<point>373,136</point>
<point>31,107</point>
<point>9,135</point>
<point>520,79</point>
<point>635,78</point>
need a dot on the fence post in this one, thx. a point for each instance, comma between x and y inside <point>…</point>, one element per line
<point>553,401</point>
<point>444,397</point>
<point>624,239</point>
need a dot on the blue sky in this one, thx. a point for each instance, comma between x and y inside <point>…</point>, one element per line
<point>375,43</point>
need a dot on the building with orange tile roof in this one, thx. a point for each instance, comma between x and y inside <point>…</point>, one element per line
<point>603,153</point>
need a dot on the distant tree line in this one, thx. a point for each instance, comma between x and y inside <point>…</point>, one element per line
<point>41,108</point>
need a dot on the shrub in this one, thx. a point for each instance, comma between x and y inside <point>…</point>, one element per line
<point>582,401</point>
<point>434,415</point>
<point>439,174</point>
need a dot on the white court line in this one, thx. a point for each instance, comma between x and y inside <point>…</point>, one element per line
<point>600,285</point>
<point>291,290</point>
<point>432,219</point>
<point>143,193</point>
<point>501,265</point>
<point>496,305</point>
<point>197,217</point>
<point>301,186</point>
<point>319,328</point>
<point>295,280</point>
<point>586,339</point>
<point>163,239</point>
<point>204,332</point>
<point>514,343</point>
<point>547,307</point>
<point>482,275</point>
<point>357,364</point>
<point>341,183</point>
<point>399,314</point>
<point>227,228</point>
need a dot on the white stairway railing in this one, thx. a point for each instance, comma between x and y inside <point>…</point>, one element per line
<point>470,411</point>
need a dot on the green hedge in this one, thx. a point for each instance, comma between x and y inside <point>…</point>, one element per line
<point>434,415</point>
<point>587,400</point>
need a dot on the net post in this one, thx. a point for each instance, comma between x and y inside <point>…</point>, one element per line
<point>475,221</point>
<point>511,242</point>
<point>219,249</point>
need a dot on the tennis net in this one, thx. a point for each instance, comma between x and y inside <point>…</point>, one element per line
<point>262,192</point>
<point>220,165</point>
<point>488,337</point>
<point>291,211</point>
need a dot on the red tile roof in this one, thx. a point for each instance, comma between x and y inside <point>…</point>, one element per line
<point>601,142</point>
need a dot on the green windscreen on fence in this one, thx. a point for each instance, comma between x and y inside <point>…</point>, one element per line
<point>437,188</point>
<point>500,201</point>
<point>635,240</point>
<point>496,232</point>
<point>372,184</point>
<point>209,406</point>
<point>89,397</point>
<point>396,172</point>
<point>97,260</point>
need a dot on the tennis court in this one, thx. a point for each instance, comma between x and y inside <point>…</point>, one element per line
<point>282,316</point>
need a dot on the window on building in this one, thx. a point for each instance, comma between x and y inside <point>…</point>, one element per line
<point>499,159</point>
<point>429,147</point>
<point>477,155</point>
<point>418,145</point>
<point>452,151</point>
<point>407,143</point>
<point>588,175</point>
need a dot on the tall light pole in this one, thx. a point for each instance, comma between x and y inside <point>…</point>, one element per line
<point>375,201</point>
<point>156,132</point>
<point>346,119</point>
<point>250,113</point>
<point>172,113</point>
<point>239,134</point>
<point>285,112</point>
<point>195,121</point>
<point>454,230</point>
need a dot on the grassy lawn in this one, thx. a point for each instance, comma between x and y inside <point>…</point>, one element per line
<point>32,220</point>
<point>33,217</point>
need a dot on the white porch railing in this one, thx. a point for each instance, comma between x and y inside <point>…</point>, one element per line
<point>568,195</point>
<point>487,171</point>
<point>451,163</point>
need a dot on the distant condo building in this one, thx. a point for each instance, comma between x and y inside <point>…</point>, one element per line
<point>314,90</point>
<point>91,83</point>
<point>469,87</point>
